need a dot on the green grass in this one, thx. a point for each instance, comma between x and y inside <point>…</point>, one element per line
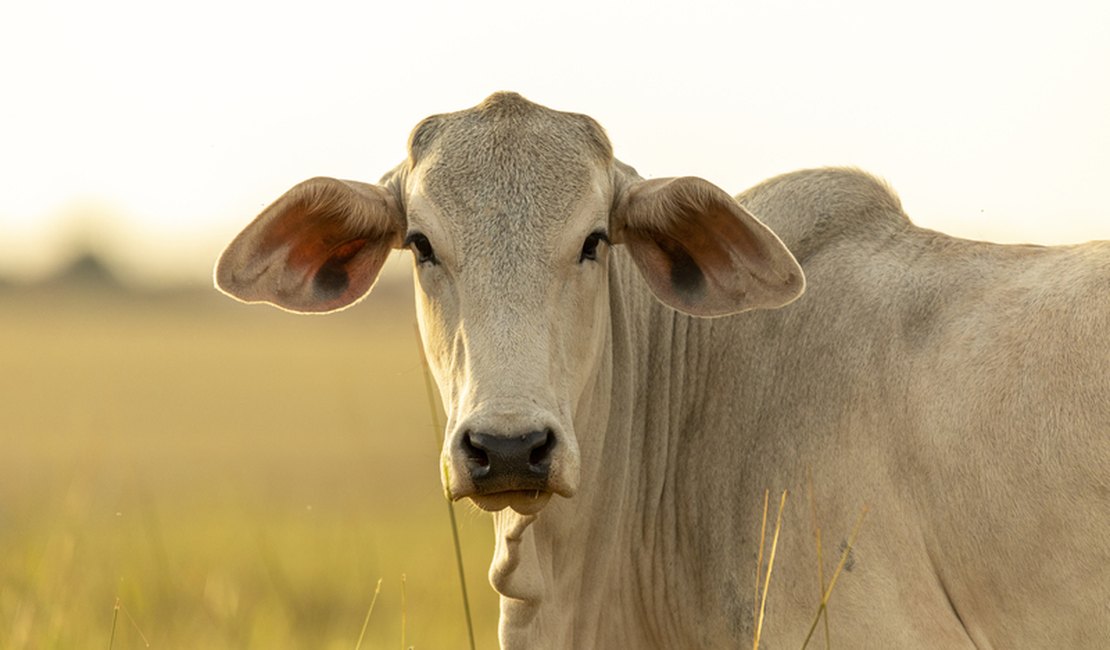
<point>236,476</point>
<point>194,473</point>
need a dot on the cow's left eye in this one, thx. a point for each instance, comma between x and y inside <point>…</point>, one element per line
<point>589,247</point>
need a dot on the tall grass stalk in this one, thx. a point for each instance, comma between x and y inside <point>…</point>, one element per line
<point>822,609</point>
<point>437,426</point>
<point>366,621</point>
<point>115,618</point>
<point>404,611</point>
<point>770,567</point>
<point>759,558</point>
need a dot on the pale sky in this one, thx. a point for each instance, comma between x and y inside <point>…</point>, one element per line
<point>161,129</point>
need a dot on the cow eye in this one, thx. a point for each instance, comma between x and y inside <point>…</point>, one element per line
<point>421,248</point>
<point>589,247</point>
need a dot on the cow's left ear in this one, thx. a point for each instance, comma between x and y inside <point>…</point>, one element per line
<point>700,251</point>
<point>318,248</point>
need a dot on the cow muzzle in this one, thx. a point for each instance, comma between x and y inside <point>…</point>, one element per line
<point>517,467</point>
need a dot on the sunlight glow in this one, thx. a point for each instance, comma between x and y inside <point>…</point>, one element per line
<point>989,119</point>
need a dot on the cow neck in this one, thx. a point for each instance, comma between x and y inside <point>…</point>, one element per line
<point>665,369</point>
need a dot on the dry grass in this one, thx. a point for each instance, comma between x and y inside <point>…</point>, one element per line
<point>761,594</point>
<point>236,476</point>
<point>763,579</point>
<point>232,477</point>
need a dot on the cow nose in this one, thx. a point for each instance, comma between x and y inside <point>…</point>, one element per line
<point>497,462</point>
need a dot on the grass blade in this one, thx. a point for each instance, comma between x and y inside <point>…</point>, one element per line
<point>844,555</point>
<point>115,617</point>
<point>759,559</point>
<point>370,611</point>
<point>823,608</point>
<point>437,426</point>
<point>770,567</point>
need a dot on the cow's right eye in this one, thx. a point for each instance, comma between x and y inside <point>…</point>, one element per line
<point>421,248</point>
<point>589,247</point>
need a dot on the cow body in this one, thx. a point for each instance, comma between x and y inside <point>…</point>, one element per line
<point>960,390</point>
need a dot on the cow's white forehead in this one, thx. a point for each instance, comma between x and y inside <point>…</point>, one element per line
<point>508,165</point>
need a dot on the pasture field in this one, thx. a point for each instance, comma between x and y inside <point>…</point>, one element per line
<point>238,477</point>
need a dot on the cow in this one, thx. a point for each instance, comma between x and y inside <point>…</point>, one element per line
<point>628,366</point>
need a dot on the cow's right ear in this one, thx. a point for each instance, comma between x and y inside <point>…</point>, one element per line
<point>318,248</point>
<point>700,251</point>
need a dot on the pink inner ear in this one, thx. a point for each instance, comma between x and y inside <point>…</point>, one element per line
<point>702,253</point>
<point>720,243</point>
<point>696,254</point>
<point>726,225</point>
<point>669,258</point>
<point>333,277</point>
<point>318,248</point>
<point>323,258</point>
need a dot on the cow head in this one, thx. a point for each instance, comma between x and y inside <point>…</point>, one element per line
<point>511,211</point>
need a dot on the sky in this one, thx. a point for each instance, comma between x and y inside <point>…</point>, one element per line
<point>154,131</point>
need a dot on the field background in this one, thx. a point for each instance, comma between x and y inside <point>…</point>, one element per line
<point>238,476</point>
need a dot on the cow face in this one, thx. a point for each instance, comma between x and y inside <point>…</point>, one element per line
<point>511,211</point>
<point>508,211</point>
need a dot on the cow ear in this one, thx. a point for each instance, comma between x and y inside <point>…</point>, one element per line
<point>318,248</point>
<point>700,251</point>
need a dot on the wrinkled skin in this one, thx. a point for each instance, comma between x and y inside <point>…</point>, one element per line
<point>622,387</point>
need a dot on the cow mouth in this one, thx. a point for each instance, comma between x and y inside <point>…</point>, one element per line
<point>525,502</point>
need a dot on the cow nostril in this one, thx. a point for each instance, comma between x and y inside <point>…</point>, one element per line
<point>476,455</point>
<point>515,462</point>
<point>541,453</point>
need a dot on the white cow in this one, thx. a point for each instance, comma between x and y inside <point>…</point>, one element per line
<point>611,405</point>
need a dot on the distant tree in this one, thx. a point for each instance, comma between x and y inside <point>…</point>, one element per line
<point>87,270</point>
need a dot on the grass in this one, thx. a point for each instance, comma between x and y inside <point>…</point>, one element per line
<point>766,578</point>
<point>115,619</point>
<point>825,592</point>
<point>369,612</point>
<point>237,477</point>
<point>439,433</point>
<point>234,477</point>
